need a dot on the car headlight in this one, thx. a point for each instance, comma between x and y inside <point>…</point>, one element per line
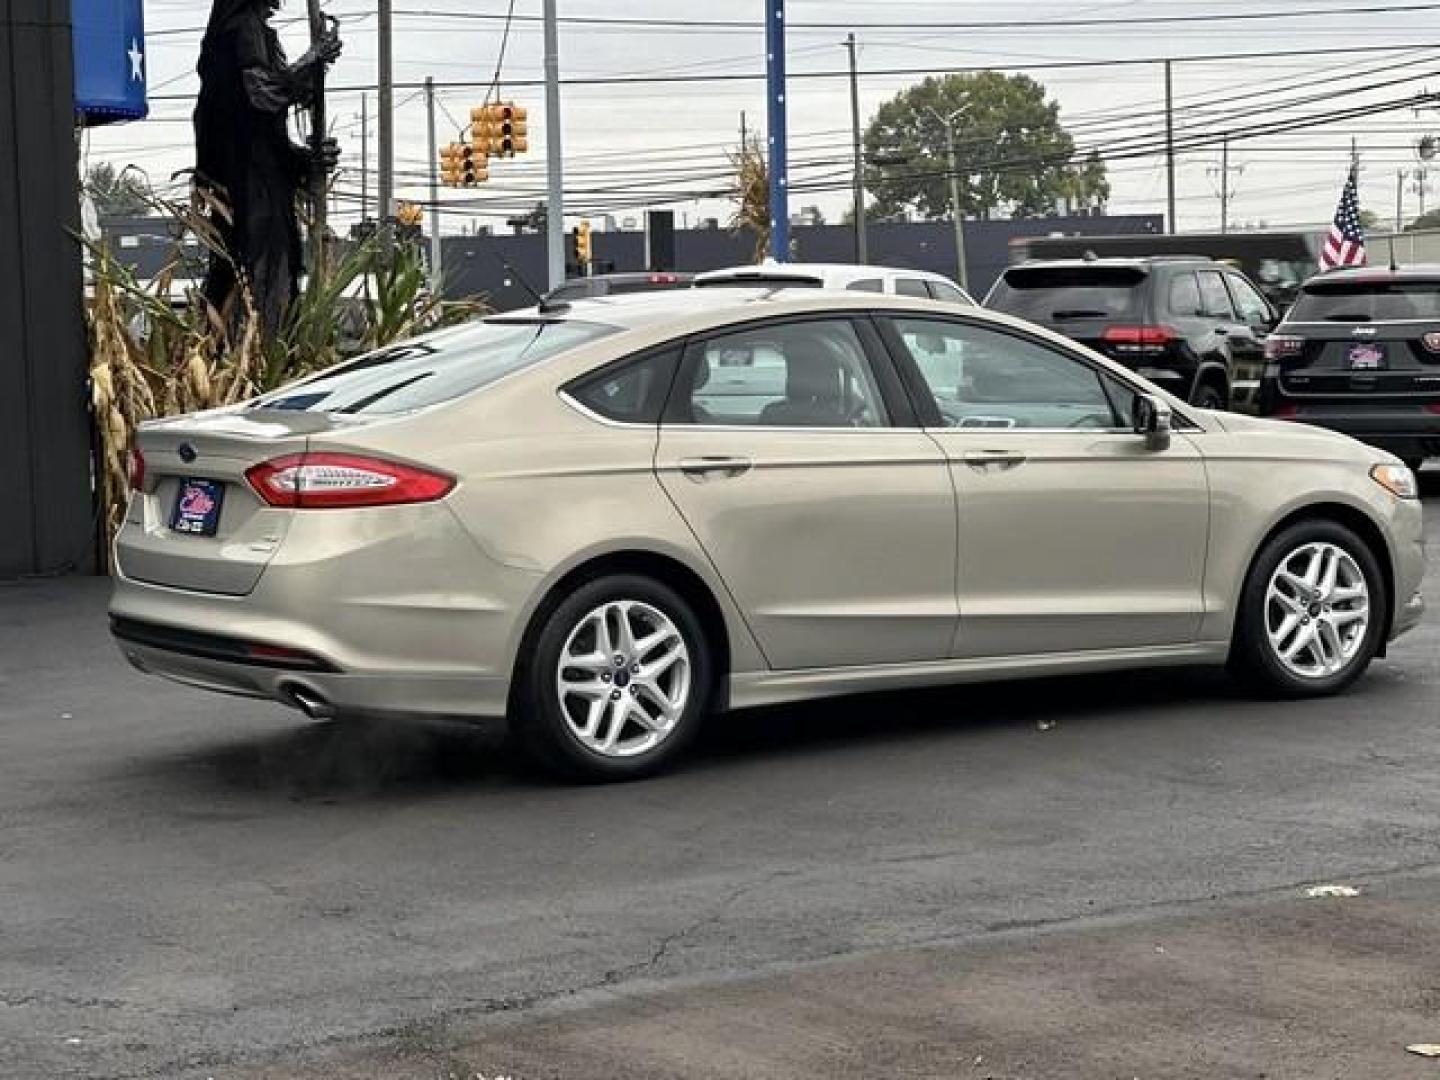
<point>1396,479</point>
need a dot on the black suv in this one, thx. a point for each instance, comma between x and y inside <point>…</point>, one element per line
<point>1190,324</point>
<point>1359,352</point>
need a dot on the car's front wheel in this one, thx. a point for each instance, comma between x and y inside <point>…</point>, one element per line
<point>1312,614</point>
<point>617,683</point>
<point>1210,396</point>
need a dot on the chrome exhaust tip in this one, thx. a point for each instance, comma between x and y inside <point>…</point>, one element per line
<point>310,703</point>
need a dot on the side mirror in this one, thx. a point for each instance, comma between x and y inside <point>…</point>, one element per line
<point>1153,420</point>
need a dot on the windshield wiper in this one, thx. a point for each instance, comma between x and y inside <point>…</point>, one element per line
<point>1079,313</point>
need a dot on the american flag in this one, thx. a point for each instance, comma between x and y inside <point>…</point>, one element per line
<point>1345,246</point>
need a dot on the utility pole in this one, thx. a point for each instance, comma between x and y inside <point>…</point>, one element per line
<point>1227,191</point>
<point>554,151</point>
<point>962,278</point>
<point>957,212</point>
<point>779,136</point>
<point>437,271</point>
<point>387,125</point>
<point>364,157</point>
<point>1170,147</point>
<point>862,254</point>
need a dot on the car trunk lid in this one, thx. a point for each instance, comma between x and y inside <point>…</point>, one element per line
<point>203,459</point>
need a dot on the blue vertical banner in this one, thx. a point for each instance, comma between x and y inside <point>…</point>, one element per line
<point>779,135</point>
<point>110,61</point>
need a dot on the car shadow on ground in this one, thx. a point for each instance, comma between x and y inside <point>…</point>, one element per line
<point>348,760</point>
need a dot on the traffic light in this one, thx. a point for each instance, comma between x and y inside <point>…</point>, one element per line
<point>514,129</point>
<point>485,131</point>
<point>584,247</point>
<point>475,169</point>
<point>410,214</point>
<point>501,130</point>
<point>452,165</point>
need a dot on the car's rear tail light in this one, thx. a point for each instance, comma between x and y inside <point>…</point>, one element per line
<point>1279,346</point>
<point>137,469</point>
<point>1431,341</point>
<point>664,279</point>
<point>1286,411</point>
<point>1143,336</point>
<point>1433,407</point>
<point>321,481</point>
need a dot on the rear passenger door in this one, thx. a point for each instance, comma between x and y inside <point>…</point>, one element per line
<point>1255,318</point>
<point>793,452</point>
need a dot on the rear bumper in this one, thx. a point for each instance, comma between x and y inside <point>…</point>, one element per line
<point>1405,433</point>
<point>393,611</point>
<point>384,694</point>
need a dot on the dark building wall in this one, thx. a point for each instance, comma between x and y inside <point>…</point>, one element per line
<point>475,265</point>
<point>46,507</point>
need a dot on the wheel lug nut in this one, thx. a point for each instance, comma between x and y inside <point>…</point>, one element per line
<point>619,660</point>
<point>615,695</point>
<point>605,677</point>
<point>635,670</point>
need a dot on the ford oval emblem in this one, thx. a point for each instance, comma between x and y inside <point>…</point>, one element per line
<point>187,453</point>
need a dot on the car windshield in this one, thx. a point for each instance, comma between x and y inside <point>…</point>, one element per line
<point>1065,293</point>
<point>1367,301</point>
<point>433,369</point>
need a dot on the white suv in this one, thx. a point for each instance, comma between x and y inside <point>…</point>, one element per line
<point>840,277</point>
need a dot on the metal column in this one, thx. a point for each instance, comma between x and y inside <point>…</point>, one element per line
<point>779,165</point>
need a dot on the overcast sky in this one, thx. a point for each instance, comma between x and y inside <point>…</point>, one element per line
<point>673,136</point>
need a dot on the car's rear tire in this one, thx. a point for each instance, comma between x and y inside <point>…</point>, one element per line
<point>1209,395</point>
<point>617,683</point>
<point>1313,612</point>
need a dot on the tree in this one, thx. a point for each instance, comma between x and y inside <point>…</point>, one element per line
<point>117,194</point>
<point>1013,152</point>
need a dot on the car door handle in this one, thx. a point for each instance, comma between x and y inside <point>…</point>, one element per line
<point>705,468</point>
<point>994,459</point>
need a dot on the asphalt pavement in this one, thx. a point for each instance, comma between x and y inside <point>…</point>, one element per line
<point>972,882</point>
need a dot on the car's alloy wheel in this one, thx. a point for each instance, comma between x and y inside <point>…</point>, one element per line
<point>616,682</point>
<point>1317,610</point>
<point>1312,614</point>
<point>623,679</point>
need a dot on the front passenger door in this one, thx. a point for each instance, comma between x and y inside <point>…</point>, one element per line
<point>792,451</point>
<point>1075,533</point>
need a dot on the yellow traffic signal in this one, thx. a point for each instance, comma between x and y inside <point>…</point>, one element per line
<point>476,168</point>
<point>485,131</point>
<point>452,164</point>
<point>514,129</point>
<point>584,245</point>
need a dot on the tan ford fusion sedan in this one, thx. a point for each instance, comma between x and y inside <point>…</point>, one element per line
<point>607,520</point>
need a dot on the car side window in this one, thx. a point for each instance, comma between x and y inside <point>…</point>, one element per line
<point>1252,308</point>
<point>804,374</point>
<point>943,290</point>
<point>1184,295</point>
<point>1214,300</point>
<point>906,286</point>
<point>983,378</point>
<point>873,284</point>
<point>632,391</point>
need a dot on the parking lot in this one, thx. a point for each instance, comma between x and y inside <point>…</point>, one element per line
<point>192,885</point>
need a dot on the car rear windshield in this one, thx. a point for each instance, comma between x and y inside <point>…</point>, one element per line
<point>1065,293</point>
<point>434,369</point>
<point>1367,301</point>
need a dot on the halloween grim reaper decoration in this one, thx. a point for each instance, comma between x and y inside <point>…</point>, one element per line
<point>244,157</point>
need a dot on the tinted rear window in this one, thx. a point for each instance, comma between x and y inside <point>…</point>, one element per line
<point>433,369</point>
<point>1367,301</point>
<point>1062,293</point>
